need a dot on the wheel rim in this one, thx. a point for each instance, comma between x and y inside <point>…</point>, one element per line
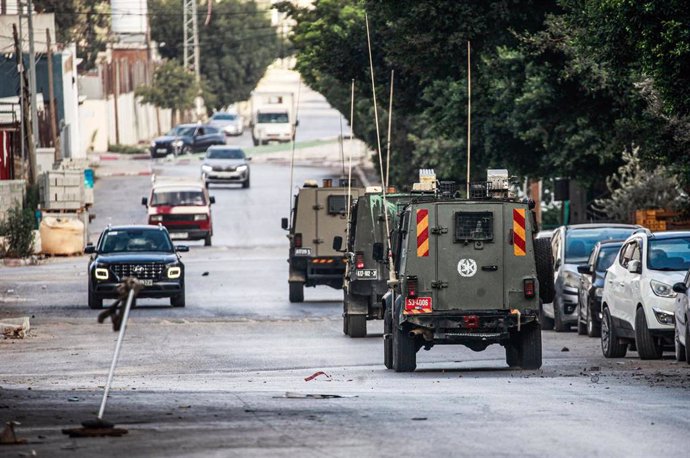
<point>590,325</point>
<point>605,333</point>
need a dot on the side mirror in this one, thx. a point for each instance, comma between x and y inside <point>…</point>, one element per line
<point>337,243</point>
<point>634,267</point>
<point>584,269</point>
<point>377,251</point>
<point>557,264</point>
<point>296,122</point>
<point>212,199</point>
<point>680,288</point>
<point>144,201</point>
<point>248,158</point>
<point>284,223</point>
<point>90,249</point>
<point>181,248</point>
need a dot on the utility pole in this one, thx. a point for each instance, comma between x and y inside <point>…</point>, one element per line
<point>32,74</point>
<point>53,105</point>
<point>20,70</point>
<point>190,37</point>
<point>26,121</point>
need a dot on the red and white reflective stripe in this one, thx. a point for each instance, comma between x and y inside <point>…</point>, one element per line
<point>422,232</point>
<point>519,240</point>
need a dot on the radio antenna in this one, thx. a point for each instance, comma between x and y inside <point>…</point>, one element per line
<point>469,116</point>
<point>294,136</point>
<point>390,126</point>
<point>342,149</point>
<point>378,144</point>
<point>349,172</point>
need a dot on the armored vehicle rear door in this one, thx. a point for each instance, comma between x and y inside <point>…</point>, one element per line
<point>468,240</point>
<point>331,218</point>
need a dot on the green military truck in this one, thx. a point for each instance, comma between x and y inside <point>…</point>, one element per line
<point>468,272</point>
<point>365,278</point>
<point>318,215</point>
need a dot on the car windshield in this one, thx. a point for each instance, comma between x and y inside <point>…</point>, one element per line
<point>118,241</point>
<point>225,153</point>
<point>178,197</point>
<point>273,118</point>
<point>224,117</point>
<point>669,254</point>
<point>181,131</point>
<point>606,257</point>
<point>579,242</point>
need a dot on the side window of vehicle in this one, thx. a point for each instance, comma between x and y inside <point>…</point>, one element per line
<point>621,256</point>
<point>627,253</point>
<point>200,131</point>
<point>556,247</point>
<point>592,261</point>
<point>636,254</point>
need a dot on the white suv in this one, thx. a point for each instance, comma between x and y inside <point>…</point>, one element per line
<point>638,299</point>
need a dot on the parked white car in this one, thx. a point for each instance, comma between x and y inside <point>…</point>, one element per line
<point>682,337</point>
<point>638,302</point>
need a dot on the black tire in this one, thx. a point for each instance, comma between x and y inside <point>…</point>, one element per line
<point>94,301</point>
<point>404,348</point>
<point>610,346</point>
<point>593,327</point>
<point>207,240</point>
<point>647,345</point>
<point>345,330</point>
<point>545,321</point>
<point>388,339</point>
<point>245,185</point>
<point>356,325</point>
<point>179,300</point>
<point>186,149</point>
<point>544,261</point>
<point>512,354</point>
<point>687,340</point>
<point>296,292</point>
<point>680,348</point>
<point>529,347</point>
<point>558,324</point>
<point>581,327</point>
<point>255,141</point>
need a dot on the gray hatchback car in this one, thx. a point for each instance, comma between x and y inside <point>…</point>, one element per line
<point>225,164</point>
<point>571,246</point>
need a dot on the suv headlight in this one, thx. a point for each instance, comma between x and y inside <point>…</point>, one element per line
<point>177,143</point>
<point>571,280</point>
<point>200,217</point>
<point>598,292</point>
<point>241,168</point>
<point>664,317</point>
<point>153,144</point>
<point>174,272</point>
<point>206,168</point>
<point>662,289</point>
<point>101,273</point>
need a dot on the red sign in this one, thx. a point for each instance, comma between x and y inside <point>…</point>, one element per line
<point>417,305</point>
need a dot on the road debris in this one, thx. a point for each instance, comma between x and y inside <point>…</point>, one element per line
<point>565,349</point>
<point>293,395</point>
<point>9,437</point>
<point>316,374</point>
<point>15,328</point>
<point>205,274</point>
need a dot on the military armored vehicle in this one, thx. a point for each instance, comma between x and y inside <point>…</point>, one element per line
<point>468,271</point>
<point>366,279</point>
<point>318,215</point>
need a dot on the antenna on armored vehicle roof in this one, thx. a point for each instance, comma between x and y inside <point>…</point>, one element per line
<point>391,269</point>
<point>349,171</point>
<point>294,136</point>
<point>469,116</point>
<point>390,127</point>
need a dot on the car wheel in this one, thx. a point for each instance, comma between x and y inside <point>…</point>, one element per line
<point>558,324</point>
<point>179,300</point>
<point>207,240</point>
<point>245,185</point>
<point>94,301</point>
<point>296,291</point>
<point>610,346</point>
<point>512,353</point>
<point>647,345</point>
<point>388,339</point>
<point>545,321</point>
<point>581,327</point>
<point>186,149</point>
<point>356,325</point>
<point>529,349</point>
<point>680,348</point>
<point>255,141</point>
<point>687,339</point>
<point>404,348</point>
<point>593,327</point>
<point>544,263</point>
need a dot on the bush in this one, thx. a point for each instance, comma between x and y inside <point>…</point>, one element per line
<point>18,231</point>
<point>126,149</point>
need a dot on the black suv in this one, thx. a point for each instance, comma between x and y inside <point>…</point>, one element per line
<point>144,252</point>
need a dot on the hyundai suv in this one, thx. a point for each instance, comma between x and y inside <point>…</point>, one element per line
<point>639,301</point>
<point>143,252</point>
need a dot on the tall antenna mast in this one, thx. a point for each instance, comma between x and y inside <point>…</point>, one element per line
<point>349,172</point>
<point>469,116</point>
<point>378,143</point>
<point>294,137</point>
<point>390,126</point>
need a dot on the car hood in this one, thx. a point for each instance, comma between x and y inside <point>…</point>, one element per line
<point>144,256</point>
<point>225,162</point>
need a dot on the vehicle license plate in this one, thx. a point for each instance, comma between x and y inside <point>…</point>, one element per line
<point>147,282</point>
<point>415,305</point>
<point>367,274</point>
<point>161,150</point>
<point>179,235</point>
<point>302,251</point>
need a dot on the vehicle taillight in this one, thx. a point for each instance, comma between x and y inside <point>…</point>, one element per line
<point>359,260</point>
<point>529,288</point>
<point>471,321</point>
<point>298,240</point>
<point>411,286</point>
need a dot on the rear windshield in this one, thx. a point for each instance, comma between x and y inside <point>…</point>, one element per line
<point>225,153</point>
<point>118,241</point>
<point>337,205</point>
<point>580,242</point>
<point>274,118</point>
<point>182,197</point>
<point>606,257</point>
<point>669,254</point>
<point>474,226</point>
<point>224,117</point>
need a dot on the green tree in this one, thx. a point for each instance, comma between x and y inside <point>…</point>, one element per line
<point>173,87</point>
<point>236,45</point>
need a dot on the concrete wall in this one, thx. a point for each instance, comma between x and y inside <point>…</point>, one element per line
<point>93,115</point>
